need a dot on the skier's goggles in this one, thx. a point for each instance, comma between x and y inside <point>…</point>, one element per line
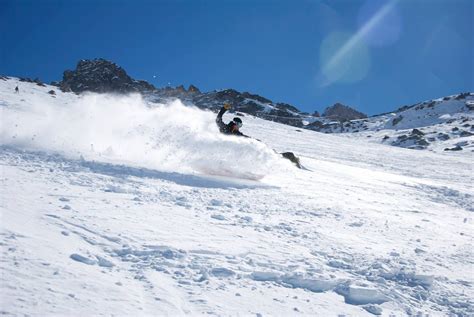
<point>239,124</point>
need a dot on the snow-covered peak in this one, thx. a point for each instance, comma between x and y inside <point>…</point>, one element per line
<point>441,124</point>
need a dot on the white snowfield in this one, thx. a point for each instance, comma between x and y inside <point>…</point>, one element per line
<point>114,207</point>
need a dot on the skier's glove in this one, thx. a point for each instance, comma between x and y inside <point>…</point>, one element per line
<point>227,106</point>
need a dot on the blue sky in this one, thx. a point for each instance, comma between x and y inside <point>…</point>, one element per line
<point>372,55</point>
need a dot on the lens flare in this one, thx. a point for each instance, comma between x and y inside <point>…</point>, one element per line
<point>379,22</point>
<point>342,59</point>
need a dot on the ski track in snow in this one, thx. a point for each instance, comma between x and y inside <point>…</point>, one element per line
<point>370,230</point>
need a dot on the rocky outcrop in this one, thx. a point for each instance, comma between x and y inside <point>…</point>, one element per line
<point>414,140</point>
<point>341,112</point>
<point>36,81</point>
<point>193,89</point>
<point>100,75</point>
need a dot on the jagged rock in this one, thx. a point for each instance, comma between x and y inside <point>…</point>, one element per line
<point>193,89</point>
<point>52,92</point>
<point>65,88</point>
<point>180,89</point>
<point>316,114</point>
<point>3,77</point>
<point>470,105</point>
<point>411,141</point>
<point>255,97</point>
<point>323,127</point>
<point>316,125</point>
<point>443,136</point>
<point>36,81</point>
<point>286,107</point>
<point>28,80</point>
<point>100,75</point>
<point>456,148</point>
<point>417,132</point>
<point>462,95</point>
<point>431,104</point>
<point>396,120</point>
<point>464,134</point>
<point>341,112</point>
<point>422,142</point>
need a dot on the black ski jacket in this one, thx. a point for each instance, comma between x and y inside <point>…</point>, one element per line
<point>227,128</point>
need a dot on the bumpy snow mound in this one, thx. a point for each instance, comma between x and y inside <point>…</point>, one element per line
<point>126,129</point>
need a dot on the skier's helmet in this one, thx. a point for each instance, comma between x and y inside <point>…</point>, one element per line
<point>238,122</point>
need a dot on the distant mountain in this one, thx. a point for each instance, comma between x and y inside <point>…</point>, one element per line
<point>100,75</point>
<point>103,76</point>
<point>446,122</point>
<point>443,124</point>
<point>341,112</point>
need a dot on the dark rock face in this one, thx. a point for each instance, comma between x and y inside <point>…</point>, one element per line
<point>462,95</point>
<point>36,81</point>
<point>341,112</point>
<point>414,140</point>
<point>456,148</point>
<point>239,101</point>
<point>193,89</point>
<point>443,136</point>
<point>180,89</point>
<point>397,120</point>
<point>100,75</point>
<point>464,134</point>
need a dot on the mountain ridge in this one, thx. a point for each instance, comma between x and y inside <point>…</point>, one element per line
<point>455,112</point>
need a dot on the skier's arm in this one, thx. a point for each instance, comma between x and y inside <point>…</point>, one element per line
<point>219,122</point>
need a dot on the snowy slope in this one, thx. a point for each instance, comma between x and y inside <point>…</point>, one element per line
<point>437,125</point>
<point>112,206</point>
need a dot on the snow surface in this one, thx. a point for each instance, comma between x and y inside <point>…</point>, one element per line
<point>441,124</point>
<point>115,206</point>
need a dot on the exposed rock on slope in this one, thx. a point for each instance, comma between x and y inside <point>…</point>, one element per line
<point>341,112</point>
<point>100,75</point>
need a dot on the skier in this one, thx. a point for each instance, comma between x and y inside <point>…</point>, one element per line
<point>17,91</point>
<point>232,127</point>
